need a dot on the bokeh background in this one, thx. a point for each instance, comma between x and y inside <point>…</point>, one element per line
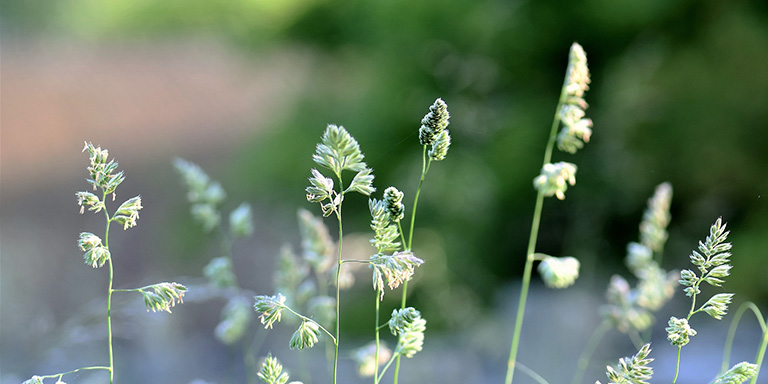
<point>245,88</point>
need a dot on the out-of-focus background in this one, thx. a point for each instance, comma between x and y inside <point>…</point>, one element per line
<point>245,88</point>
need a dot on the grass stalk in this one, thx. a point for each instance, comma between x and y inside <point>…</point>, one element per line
<point>425,163</point>
<point>531,249</point>
<point>109,295</point>
<point>732,333</point>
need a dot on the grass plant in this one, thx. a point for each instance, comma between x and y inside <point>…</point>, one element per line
<point>105,179</point>
<point>308,285</point>
<point>393,263</point>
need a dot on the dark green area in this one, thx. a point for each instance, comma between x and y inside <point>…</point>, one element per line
<point>678,94</point>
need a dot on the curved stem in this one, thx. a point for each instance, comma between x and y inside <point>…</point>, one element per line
<point>732,332</point>
<point>305,318</point>
<point>376,356</point>
<point>589,350</point>
<point>761,352</point>
<point>384,370</point>
<point>532,247</point>
<point>59,375</point>
<point>109,295</point>
<point>677,366</point>
<point>533,375</point>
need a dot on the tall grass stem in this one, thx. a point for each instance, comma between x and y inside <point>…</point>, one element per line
<point>532,248</point>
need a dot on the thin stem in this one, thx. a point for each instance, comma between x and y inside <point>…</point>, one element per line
<point>533,375</point>
<point>589,350</point>
<point>634,336</point>
<point>376,356</point>
<point>532,247</point>
<point>338,289</point>
<point>677,366</point>
<point>109,295</point>
<point>424,167</point>
<point>425,163</point>
<point>761,352</point>
<point>732,332</point>
<point>304,318</point>
<point>384,370</point>
<point>59,375</point>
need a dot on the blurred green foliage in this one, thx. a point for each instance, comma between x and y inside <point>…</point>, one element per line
<point>678,94</point>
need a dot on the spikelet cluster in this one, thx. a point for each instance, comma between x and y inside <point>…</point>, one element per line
<point>576,128</point>
<point>433,131</point>
<point>632,370</point>
<point>631,308</point>
<point>163,296</point>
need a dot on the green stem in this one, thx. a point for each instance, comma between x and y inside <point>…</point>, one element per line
<point>732,332</point>
<point>376,356</point>
<point>338,289</point>
<point>533,375</point>
<point>109,295</point>
<point>384,370</point>
<point>59,375</point>
<point>761,352</point>
<point>677,366</point>
<point>424,169</point>
<point>531,248</point>
<point>304,318</point>
<point>589,350</point>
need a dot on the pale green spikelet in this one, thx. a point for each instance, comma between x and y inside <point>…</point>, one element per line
<point>241,221</point>
<point>576,129</point>
<point>365,357</point>
<point>411,336</point>
<point>89,199</point>
<point>316,243</point>
<point>271,308</point>
<point>219,273</point>
<point>362,183</point>
<point>559,272</point>
<point>440,146</point>
<point>128,212</point>
<point>634,370</point>
<point>385,233</point>
<point>394,269</point>
<point>95,253</point>
<point>163,296</point>
<point>206,215</point>
<point>394,201</point>
<point>339,151</point>
<point>236,317</point>
<point>305,336</point>
<point>738,374</point>
<point>653,228</point>
<point>102,171</point>
<point>679,331</point>
<point>401,317</point>
<point>434,122</point>
<point>717,305</point>
<point>555,178</point>
<point>272,371</point>
<point>204,194</point>
<point>622,309</point>
<point>34,380</point>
